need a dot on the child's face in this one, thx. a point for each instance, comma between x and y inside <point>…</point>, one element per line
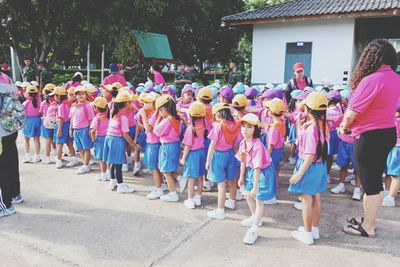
<point>57,98</point>
<point>187,97</point>
<point>71,97</point>
<point>80,96</point>
<point>299,105</point>
<point>397,114</point>
<point>247,130</point>
<point>163,112</point>
<point>217,117</point>
<point>148,105</point>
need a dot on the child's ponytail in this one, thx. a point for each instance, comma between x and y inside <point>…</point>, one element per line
<point>322,150</point>
<point>117,107</point>
<point>34,99</point>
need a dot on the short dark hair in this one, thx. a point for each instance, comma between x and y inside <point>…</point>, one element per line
<point>28,58</point>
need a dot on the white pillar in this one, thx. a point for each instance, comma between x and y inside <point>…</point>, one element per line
<point>88,63</point>
<point>15,69</point>
<point>102,63</point>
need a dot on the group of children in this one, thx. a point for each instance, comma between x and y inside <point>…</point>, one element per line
<point>229,137</point>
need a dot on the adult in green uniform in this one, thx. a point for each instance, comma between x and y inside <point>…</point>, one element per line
<point>234,75</point>
<point>138,74</point>
<point>192,74</point>
<point>180,78</point>
<point>29,73</point>
<point>46,76</point>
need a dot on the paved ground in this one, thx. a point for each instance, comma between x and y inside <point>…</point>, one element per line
<point>71,220</point>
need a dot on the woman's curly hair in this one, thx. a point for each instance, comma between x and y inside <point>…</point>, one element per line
<point>377,53</point>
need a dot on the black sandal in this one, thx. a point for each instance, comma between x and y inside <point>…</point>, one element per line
<point>354,221</point>
<point>360,231</point>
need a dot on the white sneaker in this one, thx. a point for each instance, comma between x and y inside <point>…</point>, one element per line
<point>385,193</point>
<point>335,167</point>
<point>125,168</point>
<point>388,201</point>
<point>272,201</point>
<point>303,236</point>
<point>59,164</point>
<point>349,178</point>
<point>189,203</point>
<point>37,158</point>
<point>146,171</point>
<point>182,181</point>
<point>91,162</point>
<point>328,179</point>
<point>248,222</point>
<point>314,231</point>
<point>27,158</point>
<point>239,195</point>
<point>164,187</point>
<point>124,189</point>
<point>101,177</point>
<point>197,200</point>
<point>46,160</point>
<point>250,237</point>
<point>357,194</point>
<point>53,152</point>
<point>113,184</point>
<point>298,205</point>
<point>83,169</point>
<point>353,182</point>
<point>292,161</point>
<point>170,197</point>
<point>74,161</point>
<point>206,186</point>
<point>128,160</point>
<point>136,170</point>
<point>340,188</point>
<point>218,214</point>
<point>108,175</point>
<point>155,194</point>
<point>230,204</point>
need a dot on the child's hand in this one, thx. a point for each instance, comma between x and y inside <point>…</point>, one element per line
<point>253,193</point>
<point>241,182</point>
<point>295,179</point>
<point>59,133</point>
<point>182,161</point>
<point>207,165</point>
<point>70,133</point>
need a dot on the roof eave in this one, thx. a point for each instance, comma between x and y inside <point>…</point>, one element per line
<point>363,14</point>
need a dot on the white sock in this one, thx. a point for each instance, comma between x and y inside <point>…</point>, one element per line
<point>220,210</point>
<point>308,234</point>
<point>137,164</point>
<point>254,228</point>
<point>341,183</point>
<point>313,229</point>
<point>389,197</point>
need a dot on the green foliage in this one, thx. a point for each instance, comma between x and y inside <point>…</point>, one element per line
<point>125,49</point>
<point>254,4</point>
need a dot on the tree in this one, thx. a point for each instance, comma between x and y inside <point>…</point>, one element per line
<point>255,4</point>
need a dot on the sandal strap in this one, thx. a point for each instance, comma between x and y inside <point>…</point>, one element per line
<point>360,229</point>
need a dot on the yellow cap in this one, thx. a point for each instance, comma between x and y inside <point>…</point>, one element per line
<point>316,101</point>
<point>197,109</point>
<point>151,97</point>
<point>276,106</point>
<point>107,87</point>
<point>239,100</point>
<point>117,85</point>
<point>100,102</point>
<point>219,106</point>
<point>59,91</point>
<point>251,118</point>
<point>90,88</point>
<point>126,90</point>
<point>162,100</point>
<point>32,89</point>
<point>205,93</point>
<point>49,87</point>
<point>141,97</point>
<point>80,88</point>
<point>71,90</point>
<point>122,97</point>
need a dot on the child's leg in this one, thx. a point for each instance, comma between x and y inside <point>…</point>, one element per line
<point>251,203</point>
<point>37,144</point>
<point>190,187</point>
<point>293,150</point>
<point>71,149</point>
<point>86,157</point>
<point>258,212</point>
<point>128,152</point>
<point>118,173</point>
<point>316,210</point>
<point>200,186</point>
<point>136,155</point>
<point>388,181</point>
<point>358,181</point>
<point>232,189</point>
<point>48,147</point>
<point>27,145</point>
<point>157,178</point>
<point>307,212</point>
<point>59,151</point>
<point>53,145</point>
<point>329,163</point>
<point>170,181</point>
<point>103,167</point>
<point>343,174</point>
<point>395,186</point>
<point>222,194</point>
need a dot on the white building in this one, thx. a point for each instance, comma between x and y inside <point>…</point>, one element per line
<point>326,35</point>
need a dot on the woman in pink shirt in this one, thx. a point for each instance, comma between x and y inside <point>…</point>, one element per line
<point>158,79</point>
<point>369,118</point>
<point>193,158</point>
<point>115,76</point>
<point>33,123</point>
<point>168,129</point>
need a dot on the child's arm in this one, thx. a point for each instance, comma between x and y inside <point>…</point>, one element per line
<point>210,154</point>
<point>307,162</point>
<point>254,191</point>
<point>60,125</point>
<point>93,134</point>
<point>242,174</point>
<point>129,139</point>
<point>186,151</point>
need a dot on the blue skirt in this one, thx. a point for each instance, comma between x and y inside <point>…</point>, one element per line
<point>32,126</point>
<point>168,157</point>
<point>393,162</point>
<point>292,133</point>
<point>99,147</point>
<point>141,141</point>
<point>223,166</point>
<point>183,130</point>
<point>82,139</point>
<point>114,150</point>
<point>264,139</point>
<point>277,156</point>
<point>65,138</point>
<point>333,144</point>
<point>150,158</point>
<point>266,184</point>
<point>195,164</point>
<point>313,181</point>
<point>345,154</point>
<point>207,143</point>
<point>46,133</point>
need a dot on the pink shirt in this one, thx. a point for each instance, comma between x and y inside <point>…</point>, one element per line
<point>301,83</point>
<point>335,116</point>
<point>158,78</point>
<point>4,78</point>
<point>264,118</point>
<point>190,140</point>
<point>72,84</point>
<point>254,154</point>
<point>30,110</point>
<point>100,124</point>
<point>275,138</point>
<point>218,137</point>
<point>166,132</point>
<point>375,99</point>
<point>398,131</point>
<point>151,138</point>
<point>81,115</point>
<point>183,111</point>
<point>346,138</point>
<point>118,125</point>
<point>308,141</point>
<point>63,111</point>
<point>51,110</point>
<point>113,78</point>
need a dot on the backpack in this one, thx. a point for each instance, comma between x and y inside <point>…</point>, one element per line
<point>12,113</point>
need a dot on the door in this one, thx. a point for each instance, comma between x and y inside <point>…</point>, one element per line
<point>297,52</point>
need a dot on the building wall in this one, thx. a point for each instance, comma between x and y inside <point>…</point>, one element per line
<point>332,48</point>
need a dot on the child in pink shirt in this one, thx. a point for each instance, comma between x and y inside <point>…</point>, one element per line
<point>98,132</point>
<point>33,123</point>
<point>48,111</point>
<point>193,158</point>
<point>257,174</point>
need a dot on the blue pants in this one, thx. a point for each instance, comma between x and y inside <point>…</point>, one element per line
<point>168,159</point>
<point>82,139</point>
<point>195,164</point>
<point>223,166</point>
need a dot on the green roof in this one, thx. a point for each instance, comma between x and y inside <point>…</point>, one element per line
<point>153,45</point>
